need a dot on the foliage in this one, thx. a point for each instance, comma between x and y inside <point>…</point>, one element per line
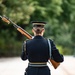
<point>18,10</point>
<point>8,47</point>
<point>59,15</point>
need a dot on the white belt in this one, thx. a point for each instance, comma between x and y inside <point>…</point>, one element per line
<point>37,64</point>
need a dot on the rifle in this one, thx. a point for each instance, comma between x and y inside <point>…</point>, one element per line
<point>21,30</point>
<point>25,33</point>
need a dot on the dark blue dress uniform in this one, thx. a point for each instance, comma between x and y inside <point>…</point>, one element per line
<point>37,51</point>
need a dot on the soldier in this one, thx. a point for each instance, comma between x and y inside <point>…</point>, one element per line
<point>36,51</point>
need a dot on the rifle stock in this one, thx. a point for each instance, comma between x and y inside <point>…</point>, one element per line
<point>54,63</point>
<point>25,33</point>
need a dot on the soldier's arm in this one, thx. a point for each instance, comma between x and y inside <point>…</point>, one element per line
<point>55,53</point>
<point>23,54</point>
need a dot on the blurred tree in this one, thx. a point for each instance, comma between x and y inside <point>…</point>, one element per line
<point>59,15</point>
<point>19,10</point>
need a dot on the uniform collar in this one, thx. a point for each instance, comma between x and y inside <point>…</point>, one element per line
<point>38,37</point>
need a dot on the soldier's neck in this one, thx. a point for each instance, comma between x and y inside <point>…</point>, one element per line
<point>38,34</point>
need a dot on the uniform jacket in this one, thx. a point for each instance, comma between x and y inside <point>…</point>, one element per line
<point>37,50</point>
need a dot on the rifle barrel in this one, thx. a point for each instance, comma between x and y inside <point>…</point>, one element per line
<point>14,24</point>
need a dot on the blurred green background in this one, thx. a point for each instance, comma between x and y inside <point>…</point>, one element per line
<point>59,15</point>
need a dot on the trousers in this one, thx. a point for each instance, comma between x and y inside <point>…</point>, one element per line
<point>37,70</point>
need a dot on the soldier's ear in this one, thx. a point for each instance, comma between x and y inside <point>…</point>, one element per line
<point>33,30</point>
<point>43,30</point>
